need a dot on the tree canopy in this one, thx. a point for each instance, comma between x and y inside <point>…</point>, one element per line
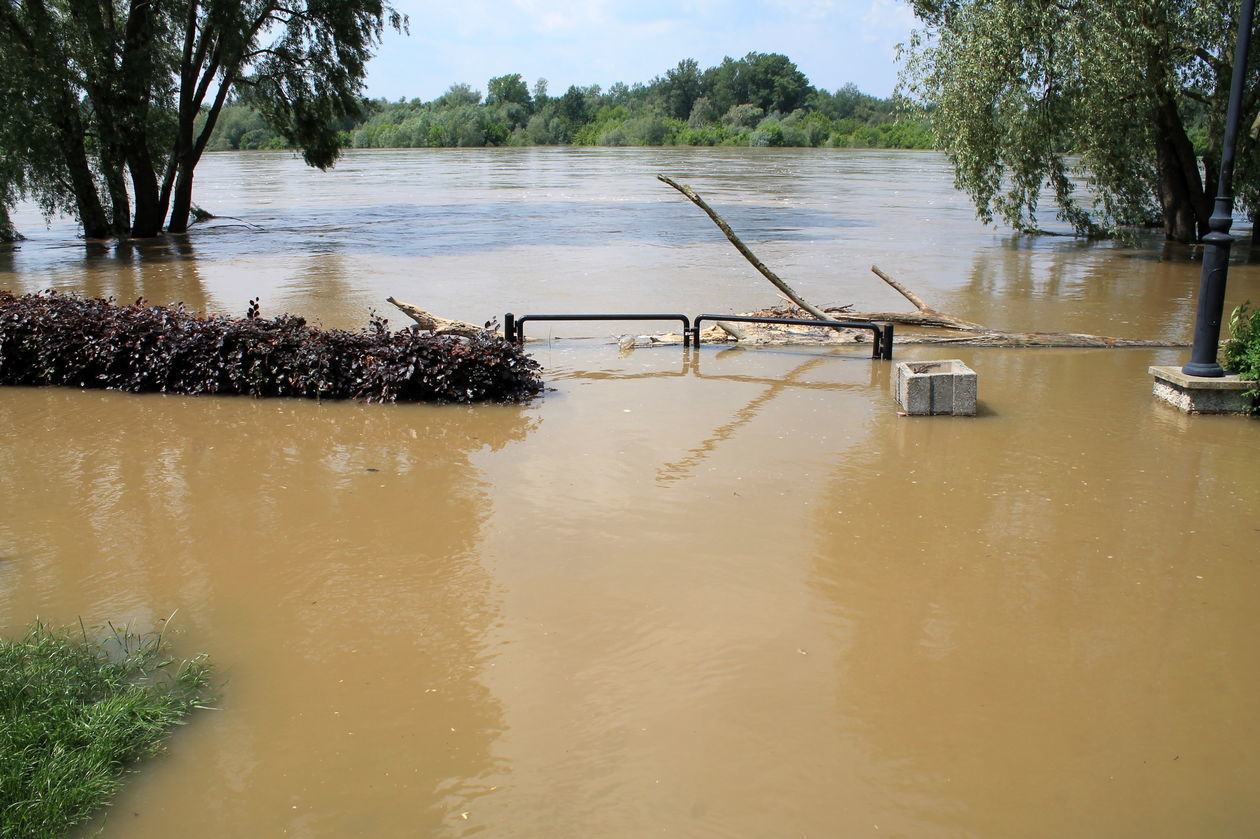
<point>679,107</point>
<point>1027,95</point>
<point>106,102</point>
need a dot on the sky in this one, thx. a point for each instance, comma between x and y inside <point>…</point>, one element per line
<point>585,42</point>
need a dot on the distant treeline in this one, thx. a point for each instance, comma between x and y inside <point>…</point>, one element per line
<point>759,100</point>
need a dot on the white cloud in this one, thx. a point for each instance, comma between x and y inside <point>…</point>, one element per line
<point>555,16</point>
<point>887,20</point>
<point>807,10</point>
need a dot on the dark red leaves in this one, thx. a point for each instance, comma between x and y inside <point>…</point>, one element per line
<point>54,339</point>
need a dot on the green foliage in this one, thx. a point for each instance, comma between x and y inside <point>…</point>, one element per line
<point>766,80</point>
<point>680,88</point>
<point>746,115</point>
<point>106,108</point>
<point>241,127</point>
<point>1031,96</point>
<point>679,108</point>
<point>1241,353</point>
<point>509,89</point>
<point>75,715</point>
<point>606,129</point>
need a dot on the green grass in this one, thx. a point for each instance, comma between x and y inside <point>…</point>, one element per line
<point>75,714</point>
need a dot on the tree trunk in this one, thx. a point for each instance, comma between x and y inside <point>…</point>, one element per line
<point>73,151</point>
<point>181,199</point>
<point>1181,196</point>
<point>188,149</point>
<point>148,218</point>
<point>116,184</point>
<point>135,86</point>
<point>64,114</point>
<point>188,157</point>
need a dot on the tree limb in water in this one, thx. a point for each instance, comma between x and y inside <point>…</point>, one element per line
<point>985,336</point>
<point>774,278</point>
<point>438,325</point>
<point>923,316</point>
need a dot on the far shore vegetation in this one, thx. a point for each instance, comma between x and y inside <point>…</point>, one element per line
<point>107,116</point>
<point>76,713</point>
<point>758,100</point>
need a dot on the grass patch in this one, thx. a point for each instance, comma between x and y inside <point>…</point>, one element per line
<point>75,714</point>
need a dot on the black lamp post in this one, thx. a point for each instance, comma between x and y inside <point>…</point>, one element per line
<point>1207,326</point>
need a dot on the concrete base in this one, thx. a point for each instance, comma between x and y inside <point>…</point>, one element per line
<point>925,388</point>
<point>1196,395</point>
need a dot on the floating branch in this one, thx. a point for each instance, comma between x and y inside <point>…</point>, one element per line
<point>437,325</point>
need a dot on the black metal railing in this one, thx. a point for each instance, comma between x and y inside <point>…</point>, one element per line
<point>881,333</point>
<point>514,327</point>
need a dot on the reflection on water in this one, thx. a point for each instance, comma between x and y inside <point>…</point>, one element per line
<point>697,592</point>
<point>325,553</point>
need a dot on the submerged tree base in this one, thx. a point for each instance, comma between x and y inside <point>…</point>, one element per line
<point>55,339</point>
<point>74,714</point>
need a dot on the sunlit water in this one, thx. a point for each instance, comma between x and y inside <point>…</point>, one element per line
<point>688,593</point>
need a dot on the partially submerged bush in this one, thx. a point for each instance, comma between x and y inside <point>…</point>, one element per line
<point>56,339</point>
<point>75,714</point>
<point>1241,353</point>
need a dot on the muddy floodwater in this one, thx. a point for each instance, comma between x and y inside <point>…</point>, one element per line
<point>693,593</point>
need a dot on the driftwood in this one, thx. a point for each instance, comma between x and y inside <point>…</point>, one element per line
<point>774,278</point>
<point>977,335</point>
<point>973,334</point>
<point>437,325</point>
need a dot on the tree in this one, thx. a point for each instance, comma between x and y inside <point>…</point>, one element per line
<point>540,93</point>
<point>574,108</point>
<point>767,80</point>
<point>132,89</point>
<point>458,94</point>
<point>680,88</point>
<point>1025,95</point>
<point>508,90</point>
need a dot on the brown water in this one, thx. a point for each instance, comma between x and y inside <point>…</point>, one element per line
<point>689,593</point>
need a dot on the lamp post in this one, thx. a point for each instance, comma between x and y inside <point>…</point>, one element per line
<point>1207,326</point>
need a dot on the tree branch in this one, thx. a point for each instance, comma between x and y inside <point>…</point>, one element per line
<point>1219,67</point>
<point>778,283</point>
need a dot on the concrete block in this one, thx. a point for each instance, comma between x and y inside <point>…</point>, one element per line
<point>1195,395</point>
<point>926,388</point>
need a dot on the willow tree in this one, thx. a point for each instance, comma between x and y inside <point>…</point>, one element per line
<point>127,93</point>
<point>1029,94</point>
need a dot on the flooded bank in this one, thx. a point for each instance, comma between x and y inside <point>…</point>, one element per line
<point>700,593</point>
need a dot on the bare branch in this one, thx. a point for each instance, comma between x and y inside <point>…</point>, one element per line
<point>778,283</point>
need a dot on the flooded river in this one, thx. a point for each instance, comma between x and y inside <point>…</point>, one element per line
<point>693,593</point>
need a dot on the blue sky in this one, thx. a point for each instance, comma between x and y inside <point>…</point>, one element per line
<point>587,42</point>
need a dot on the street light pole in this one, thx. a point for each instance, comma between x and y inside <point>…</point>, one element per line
<point>1207,327</point>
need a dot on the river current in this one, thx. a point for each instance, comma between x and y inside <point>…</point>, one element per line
<point>699,593</point>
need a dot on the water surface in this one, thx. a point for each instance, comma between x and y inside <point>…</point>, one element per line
<point>694,593</point>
